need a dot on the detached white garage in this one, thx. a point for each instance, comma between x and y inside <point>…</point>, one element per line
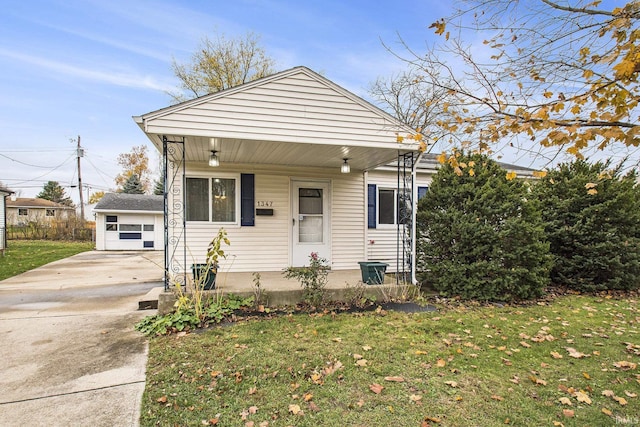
<point>129,222</point>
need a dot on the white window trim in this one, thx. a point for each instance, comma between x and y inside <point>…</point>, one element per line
<point>210,178</point>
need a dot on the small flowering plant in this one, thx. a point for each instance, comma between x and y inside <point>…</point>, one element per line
<point>312,278</point>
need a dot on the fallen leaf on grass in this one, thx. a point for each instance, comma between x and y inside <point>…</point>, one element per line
<point>295,409</point>
<point>441,363</point>
<point>376,388</point>
<point>565,401</point>
<point>537,381</point>
<point>314,407</point>
<point>415,397</point>
<point>607,412</point>
<point>608,393</point>
<point>575,353</point>
<point>569,413</point>
<point>582,397</point>
<point>525,344</point>
<point>361,362</point>
<point>621,400</point>
<point>496,397</point>
<point>307,397</point>
<point>629,394</point>
<point>451,384</point>
<point>162,399</point>
<point>394,379</point>
<point>425,422</point>
<point>556,355</point>
<point>624,365</point>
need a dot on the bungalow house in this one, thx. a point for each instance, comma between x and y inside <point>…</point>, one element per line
<point>129,222</point>
<point>284,164</point>
<point>21,211</point>
<point>289,164</point>
<point>4,192</point>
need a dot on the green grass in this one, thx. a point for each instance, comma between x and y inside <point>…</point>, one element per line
<point>460,366</point>
<point>25,255</point>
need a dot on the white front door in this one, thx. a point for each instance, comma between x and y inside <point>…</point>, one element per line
<point>311,219</point>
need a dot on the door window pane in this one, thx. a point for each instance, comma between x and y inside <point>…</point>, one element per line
<point>310,229</point>
<point>310,201</point>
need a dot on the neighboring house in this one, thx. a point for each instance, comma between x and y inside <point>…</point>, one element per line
<point>21,211</point>
<point>3,217</point>
<point>289,164</point>
<point>129,222</point>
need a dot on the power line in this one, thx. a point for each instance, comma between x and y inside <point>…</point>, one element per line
<point>24,163</point>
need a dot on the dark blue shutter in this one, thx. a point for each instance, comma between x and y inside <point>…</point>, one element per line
<point>371,205</point>
<point>247,199</point>
<point>422,191</point>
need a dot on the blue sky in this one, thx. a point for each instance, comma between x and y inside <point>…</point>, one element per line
<point>85,67</point>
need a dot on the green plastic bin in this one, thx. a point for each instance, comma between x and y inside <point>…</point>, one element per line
<point>373,272</point>
<point>204,271</point>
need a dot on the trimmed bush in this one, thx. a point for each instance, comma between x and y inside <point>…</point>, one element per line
<point>480,235</point>
<point>592,218</point>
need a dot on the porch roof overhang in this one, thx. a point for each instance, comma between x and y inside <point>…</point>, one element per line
<point>287,152</point>
<point>294,118</point>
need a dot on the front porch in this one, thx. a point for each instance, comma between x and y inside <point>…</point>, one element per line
<point>279,291</point>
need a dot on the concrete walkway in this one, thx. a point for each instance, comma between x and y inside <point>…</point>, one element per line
<point>69,353</point>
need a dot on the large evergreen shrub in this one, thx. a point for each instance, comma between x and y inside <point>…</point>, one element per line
<point>592,218</point>
<point>480,235</point>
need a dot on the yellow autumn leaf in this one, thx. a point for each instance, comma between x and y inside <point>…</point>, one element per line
<point>583,397</point>
<point>539,174</point>
<point>399,138</point>
<point>565,401</point>
<point>439,26</point>
<point>556,355</point>
<point>442,158</point>
<point>441,363</point>
<point>607,412</point>
<point>624,69</point>
<point>621,400</point>
<point>294,409</point>
<point>589,185</point>
<point>472,172</point>
<point>511,175</point>
<point>592,191</point>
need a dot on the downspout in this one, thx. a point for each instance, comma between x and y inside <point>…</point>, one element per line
<point>414,211</point>
<point>365,175</point>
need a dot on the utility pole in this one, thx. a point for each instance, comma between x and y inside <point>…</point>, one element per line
<point>80,154</point>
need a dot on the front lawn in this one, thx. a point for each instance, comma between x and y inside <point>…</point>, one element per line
<point>25,255</point>
<point>570,362</point>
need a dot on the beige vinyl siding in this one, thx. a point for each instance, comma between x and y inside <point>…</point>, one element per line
<point>266,246</point>
<point>293,109</point>
<point>385,248</point>
<point>348,221</point>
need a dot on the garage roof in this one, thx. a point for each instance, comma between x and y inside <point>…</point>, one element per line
<point>130,202</point>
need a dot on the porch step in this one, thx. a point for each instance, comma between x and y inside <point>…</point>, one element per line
<point>150,300</point>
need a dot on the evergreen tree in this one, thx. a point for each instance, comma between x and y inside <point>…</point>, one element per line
<point>54,192</point>
<point>158,188</point>
<point>133,185</point>
<point>480,234</point>
<point>592,218</point>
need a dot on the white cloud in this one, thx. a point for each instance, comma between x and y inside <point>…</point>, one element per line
<point>108,77</point>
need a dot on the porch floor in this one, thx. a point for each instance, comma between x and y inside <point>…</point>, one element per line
<point>278,291</point>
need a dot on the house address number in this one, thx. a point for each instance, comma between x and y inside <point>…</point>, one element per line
<point>264,204</point>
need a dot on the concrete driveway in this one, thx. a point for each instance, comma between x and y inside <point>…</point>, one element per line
<point>69,354</point>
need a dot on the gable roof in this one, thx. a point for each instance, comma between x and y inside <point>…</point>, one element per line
<point>33,202</point>
<point>293,118</point>
<point>130,202</point>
